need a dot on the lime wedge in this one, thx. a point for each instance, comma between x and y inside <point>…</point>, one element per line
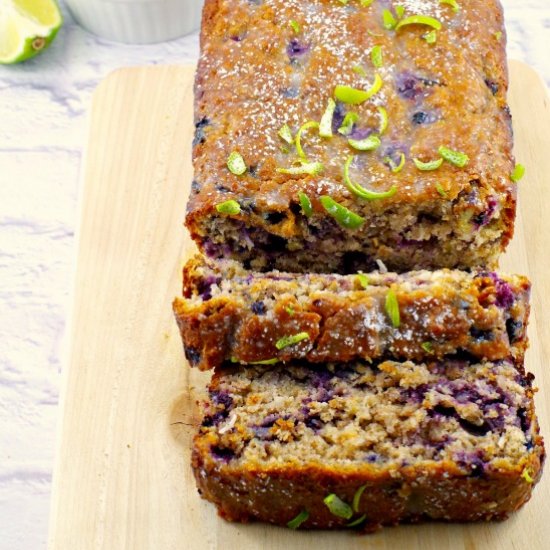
<point>26,28</point>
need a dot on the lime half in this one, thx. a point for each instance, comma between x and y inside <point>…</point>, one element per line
<point>26,28</point>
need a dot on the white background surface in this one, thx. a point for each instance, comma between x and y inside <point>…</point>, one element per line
<point>43,106</point>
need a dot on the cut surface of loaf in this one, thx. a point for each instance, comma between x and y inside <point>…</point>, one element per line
<point>268,64</point>
<point>392,441</point>
<point>231,314</point>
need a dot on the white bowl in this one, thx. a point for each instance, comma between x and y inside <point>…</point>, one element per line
<point>137,21</point>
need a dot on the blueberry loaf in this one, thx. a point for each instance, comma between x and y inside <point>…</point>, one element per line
<point>331,134</point>
<point>230,314</point>
<point>361,445</point>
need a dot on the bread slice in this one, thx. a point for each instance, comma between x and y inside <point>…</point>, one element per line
<point>363,445</point>
<point>231,314</point>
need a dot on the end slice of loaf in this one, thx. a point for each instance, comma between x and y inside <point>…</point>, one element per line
<point>382,444</point>
<point>231,314</point>
<point>257,75</point>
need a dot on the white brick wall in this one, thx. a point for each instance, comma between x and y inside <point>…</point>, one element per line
<point>42,117</point>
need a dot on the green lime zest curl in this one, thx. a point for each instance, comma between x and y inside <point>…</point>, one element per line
<point>338,507</point>
<point>306,205</point>
<point>392,308</point>
<point>354,96</point>
<point>230,208</point>
<point>287,341</point>
<point>361,191</point>
<point>345,217</point>
<point>298,520</point>
<point>419,20</point>
<point>236,164</point>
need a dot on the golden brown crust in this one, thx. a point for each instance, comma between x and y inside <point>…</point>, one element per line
<point>279,496</point>
<point>441,313</point>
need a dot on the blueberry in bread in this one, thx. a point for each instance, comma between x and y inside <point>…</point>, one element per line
<point>231,314</point>
<point>364,445</point>
<point>331,134</point>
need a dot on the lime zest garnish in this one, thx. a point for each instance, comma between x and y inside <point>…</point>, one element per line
<point>427,347</point>
<point>357,521</point>
<point>498,35</point>
<point>354,96</point>
<point>230,207</point>
<point>295,26</point>
<point>430,37</point>
<point>518,173</point>
<point>290,310</point>
<point>343,2</point>
<point>286,341</point>
<point>392,308</point>
<point>298,520</point>
<point>383,119</point>
<point>325,127</point>
<point>306,205</point>
<point>357,498</point>
<point>454,157</point>
<point>526,475</point>
<point>441,191</point>
<point>272,361</point>
<point>388,20</point>
<point>360,70</point>
<point>376,56</point>
<point>368,144</point>
<point>347,125</point>
<point>399,11</point>
<point>364,282</point>
<point>338,507</point>
<point>303,128</point>
<point>236,164</point>
<point>311,168</point>
<point>419,20</point>
<point>366,3</point>
<point>396,168</point>
<point>345,217</point>
<point>360,191</point>
<point>428,166</point>
<point>452,3</point>
<point>285,133</point>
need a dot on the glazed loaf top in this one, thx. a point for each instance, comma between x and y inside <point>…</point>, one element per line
<point>267,63</point>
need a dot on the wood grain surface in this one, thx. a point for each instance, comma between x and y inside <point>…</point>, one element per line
<point>122,478</point>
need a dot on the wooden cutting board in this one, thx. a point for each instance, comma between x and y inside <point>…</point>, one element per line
<point>122,478</point>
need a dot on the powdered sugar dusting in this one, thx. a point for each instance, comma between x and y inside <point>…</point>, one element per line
<point>287,77</point>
